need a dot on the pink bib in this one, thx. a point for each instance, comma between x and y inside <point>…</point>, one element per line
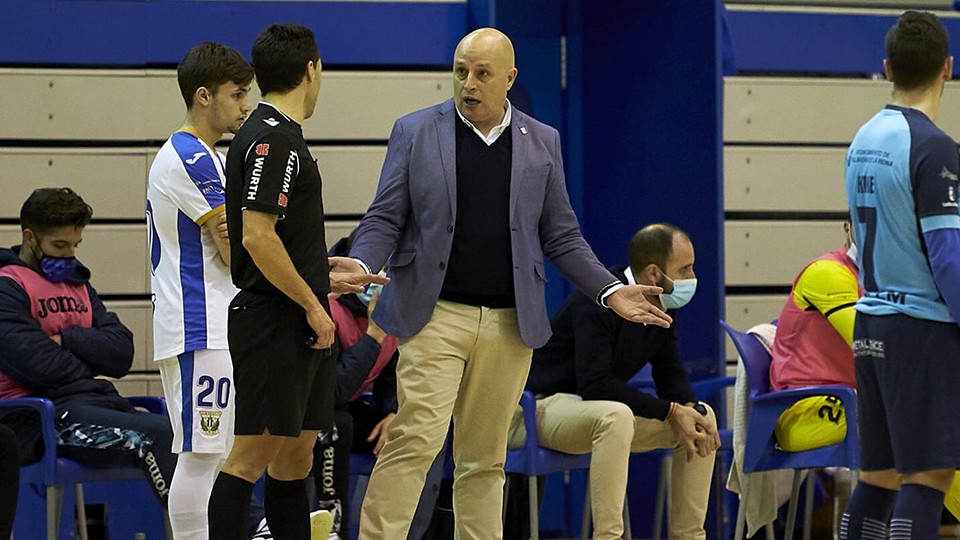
<point>54,305</point>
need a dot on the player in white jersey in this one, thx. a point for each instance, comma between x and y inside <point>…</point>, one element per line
<point>190,261</point>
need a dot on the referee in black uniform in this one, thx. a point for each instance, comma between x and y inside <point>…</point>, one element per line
<point>280,332</point>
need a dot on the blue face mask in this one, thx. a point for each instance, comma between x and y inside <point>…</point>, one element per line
<point>683,291</point>
<point>61,269</point>
<point>367,295</point>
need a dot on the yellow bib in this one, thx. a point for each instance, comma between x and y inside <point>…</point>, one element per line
<point>812,422</point>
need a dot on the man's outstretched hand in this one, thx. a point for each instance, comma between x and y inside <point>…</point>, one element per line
<point>630,302</point>
<point>347,276</point>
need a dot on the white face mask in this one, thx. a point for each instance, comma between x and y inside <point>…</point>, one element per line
<point>367,294</point>
<point>852,252</point>
<point>683,291</point>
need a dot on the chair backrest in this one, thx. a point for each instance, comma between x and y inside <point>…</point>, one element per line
<point>756,359</point>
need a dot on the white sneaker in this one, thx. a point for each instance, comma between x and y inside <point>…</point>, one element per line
<point>321,522</point>
<point>263,532</point>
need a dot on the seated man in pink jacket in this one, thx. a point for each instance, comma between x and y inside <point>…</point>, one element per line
<point>812,347</point>
<point>368,361</point>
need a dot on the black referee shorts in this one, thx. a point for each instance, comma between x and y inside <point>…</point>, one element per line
<point>282,385</point>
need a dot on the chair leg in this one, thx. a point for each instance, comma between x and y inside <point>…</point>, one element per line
<point>808,505</point>
<point>506,495</point>
<point>81,512</point>
<point>792,508</point>
<point>587,513</point>
<point>663,489</point>
<point>534,510</point>
<point>742,509</point>
<point>718,492</point>
<point>771,534</point>
<point>54,506</point>
<point>627,533</point>
<point>835,524</point>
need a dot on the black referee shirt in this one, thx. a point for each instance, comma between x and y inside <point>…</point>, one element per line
<point>270,169</point>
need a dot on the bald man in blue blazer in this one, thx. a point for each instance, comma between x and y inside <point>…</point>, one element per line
<point>471,200</point>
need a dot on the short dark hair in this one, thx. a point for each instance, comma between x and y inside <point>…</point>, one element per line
<point>211,64</point>
<point>917,47</point>
<point>280,56</point>
<point>49,208</point>
<point>653,244</point>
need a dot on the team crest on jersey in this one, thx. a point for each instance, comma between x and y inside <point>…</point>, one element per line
<point>210,422</point>
<point>263,149</point>
<point>282,200</point>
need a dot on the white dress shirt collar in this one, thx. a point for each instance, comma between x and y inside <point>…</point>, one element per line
<point>497,130</point>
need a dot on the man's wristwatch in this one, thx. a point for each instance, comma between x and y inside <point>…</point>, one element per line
<point>700,408</point>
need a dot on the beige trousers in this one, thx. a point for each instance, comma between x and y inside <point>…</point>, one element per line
<point>610,431</point>
<point>468,363</point>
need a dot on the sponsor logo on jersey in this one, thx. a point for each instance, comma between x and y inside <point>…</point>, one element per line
<point>60,304</point>
<point>196,157</point>
<point>288,172</point>
<point>210,422</point>
<point>945,173</point>
<point>254,184</point>
<point>271,122</point>
<point>263,149</point>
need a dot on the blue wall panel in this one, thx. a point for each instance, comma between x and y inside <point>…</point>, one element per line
<point>794,42</point>
<point>535,27</point>
<point>651,106</point>
<point>150,32</point>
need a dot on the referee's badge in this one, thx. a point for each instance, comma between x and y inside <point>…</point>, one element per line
<point>210,422</point>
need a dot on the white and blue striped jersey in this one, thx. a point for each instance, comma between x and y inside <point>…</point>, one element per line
<point>901,181</point>
<point>191,285</point>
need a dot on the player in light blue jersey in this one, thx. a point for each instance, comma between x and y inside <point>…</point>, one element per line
<point>901,180</point>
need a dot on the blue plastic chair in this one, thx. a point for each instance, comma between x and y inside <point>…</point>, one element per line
<point>534,460</point>
<point>53,473</point>
<point>765,407</point>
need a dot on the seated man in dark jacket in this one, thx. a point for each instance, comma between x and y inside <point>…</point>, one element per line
<point>586,406</point>
<point>56,338</point>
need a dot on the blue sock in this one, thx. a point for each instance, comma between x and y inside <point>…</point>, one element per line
<point>867,513</point>
<point>917,513</point>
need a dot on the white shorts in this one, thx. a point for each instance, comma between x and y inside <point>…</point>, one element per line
<point>202,418</point>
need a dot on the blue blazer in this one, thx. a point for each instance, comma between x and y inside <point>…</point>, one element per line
<point>412,218</point>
